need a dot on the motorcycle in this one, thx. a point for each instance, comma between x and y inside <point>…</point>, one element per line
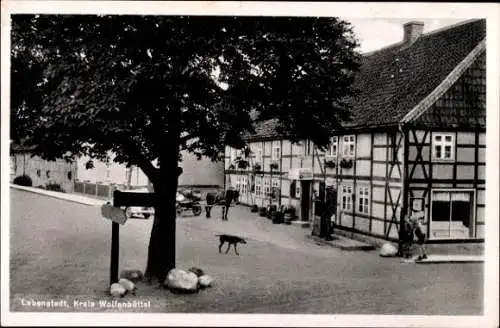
<point>185,203</point>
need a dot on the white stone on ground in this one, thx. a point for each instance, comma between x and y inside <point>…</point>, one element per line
<point>127,284</point>
<point>388,249</point>
<point>205,281</point>
<point>181,281</point>
<point>117,290</point>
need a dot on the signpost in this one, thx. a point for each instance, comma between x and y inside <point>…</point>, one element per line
<point>117,216</point>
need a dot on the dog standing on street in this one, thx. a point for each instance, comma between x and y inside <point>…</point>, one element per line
<point>231,240</point>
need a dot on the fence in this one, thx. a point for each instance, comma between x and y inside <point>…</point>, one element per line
<point>98,189</point>
<point>105,190</point>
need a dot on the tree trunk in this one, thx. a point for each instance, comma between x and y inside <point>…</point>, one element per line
<point>161,251</point>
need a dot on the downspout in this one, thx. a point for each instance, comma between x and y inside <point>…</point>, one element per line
<point>404,208</point>
<point>24,163</point>
<point>281,172</point>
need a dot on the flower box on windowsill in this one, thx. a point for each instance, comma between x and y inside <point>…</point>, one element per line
<point>242,164</point>
<point>257,167</point>
<point>346,163</point>
<point>231,167</point>
<point>330,163</point>
<point>273,166</point>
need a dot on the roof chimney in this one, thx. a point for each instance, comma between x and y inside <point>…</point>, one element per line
<point>412,31</point>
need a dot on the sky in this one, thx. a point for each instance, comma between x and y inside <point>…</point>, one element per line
<point>374,34</point>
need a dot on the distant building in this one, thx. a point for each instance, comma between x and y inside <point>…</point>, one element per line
<point>41,172</point>
<point>196,173</point>
<point>416,143</point>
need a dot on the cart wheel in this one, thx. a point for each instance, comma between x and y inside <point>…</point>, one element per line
<point>196,210</point>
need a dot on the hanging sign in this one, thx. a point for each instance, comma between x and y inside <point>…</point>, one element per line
<point>115,214</point>
<point>302,173</point>
<point>330,181</point>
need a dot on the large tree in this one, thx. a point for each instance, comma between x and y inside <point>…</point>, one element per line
<point>147,87</point>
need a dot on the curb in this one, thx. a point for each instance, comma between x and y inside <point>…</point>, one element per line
<point>339,242</point>
<point>64,196</point>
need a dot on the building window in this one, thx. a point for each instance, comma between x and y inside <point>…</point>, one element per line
<point>244,184</point>
<point>276,153</point>
<point>297,190</point>
<point>237,186</point>
<point>348,146</point>
<point>333,146</point>
<point>267,187</point>
<point>443,146</point>
<point>48,174</point>
<point>38,173</point>
<point>258,186</point>
<point>393,148</point>
<point>307,148</point>
<point>13,165</point>
<point>258,155</point>
<point>346,198</point>
<point>232,154</point>
<point>275,187</point>
<point>364,200</point>
<point>70,175</point>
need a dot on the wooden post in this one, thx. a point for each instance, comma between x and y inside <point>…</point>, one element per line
<point>404,208</point>
<point>115,242</point>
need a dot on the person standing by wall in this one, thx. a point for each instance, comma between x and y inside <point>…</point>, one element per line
<point>236,196</point>
<point>229,196</point>
<point>419,231</point>
<point>407,237</point>
<point>210,199</point>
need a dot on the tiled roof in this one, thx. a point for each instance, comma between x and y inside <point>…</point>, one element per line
<point>16,148</point>
<point>264,129</point>
<point>395,79</point>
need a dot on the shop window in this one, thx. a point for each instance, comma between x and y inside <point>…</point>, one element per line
<point>452,214</point>
<point>443,146</point>
<point>294,189</point>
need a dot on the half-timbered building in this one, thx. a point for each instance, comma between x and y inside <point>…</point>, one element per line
<point>415,143</point>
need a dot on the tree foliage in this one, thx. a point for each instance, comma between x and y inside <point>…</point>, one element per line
<point>114,81</point>
<point>146,87</point>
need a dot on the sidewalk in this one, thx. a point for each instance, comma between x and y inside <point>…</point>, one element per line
<point>76,198</point>
<point>242,222</point>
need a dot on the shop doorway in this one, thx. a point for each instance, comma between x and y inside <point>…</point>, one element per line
<point>305,199</point>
